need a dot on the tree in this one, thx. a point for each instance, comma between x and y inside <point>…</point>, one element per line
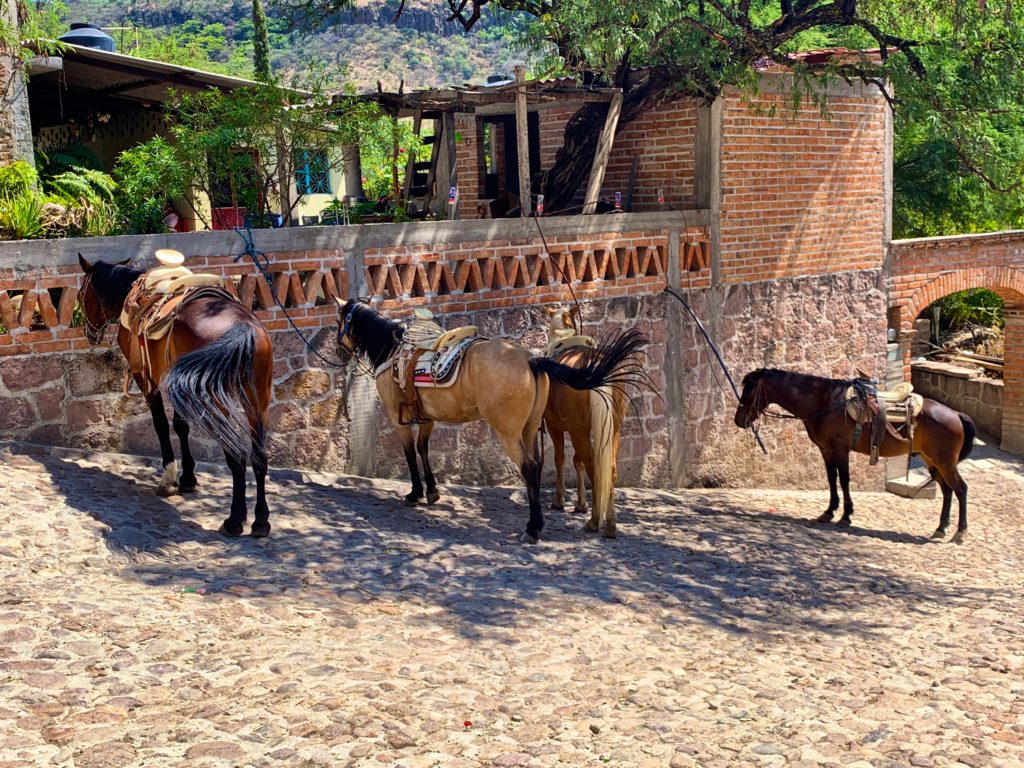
<point>954,66</point>
<point>260,43</point>
<point>240,148</point>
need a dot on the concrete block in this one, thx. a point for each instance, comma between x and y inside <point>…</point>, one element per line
<point>911,488</point>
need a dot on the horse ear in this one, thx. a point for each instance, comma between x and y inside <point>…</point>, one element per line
<point>364,300</point>
<point>340,303</point>
<point>551,311</point>
<point>84,262</point>
<point>125,263</point>
<point>574,311</point>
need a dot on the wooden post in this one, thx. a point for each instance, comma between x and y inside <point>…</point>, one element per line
<point>523,144</point>
<point>604,148</point>
<point>410,166</point>
<point>448,135</point>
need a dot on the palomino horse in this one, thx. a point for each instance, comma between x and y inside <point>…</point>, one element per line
<point>216,365</point>
<point>593,420</point>
<point>499,382</point>
<point>943,437</point>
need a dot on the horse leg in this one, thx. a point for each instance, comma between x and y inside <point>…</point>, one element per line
<point>947,501</point>
<point>581,487</point>
<point>261,512</point>
<point>409,446</point>
<point>961,525</point>
<point>530,469</point>
<point>558,441</point>
<point>168,485</point>
<point>832,470</point>
<point>423,449</point>
<point>843,465</point>
<point>235,523</point>
<point>187,483</point>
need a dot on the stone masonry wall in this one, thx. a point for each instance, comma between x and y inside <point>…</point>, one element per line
<point>963,389</point>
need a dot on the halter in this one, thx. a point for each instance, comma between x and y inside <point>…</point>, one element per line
<point>94,333</point>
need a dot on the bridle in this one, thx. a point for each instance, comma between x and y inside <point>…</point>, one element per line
<point>758,403</point>
<point>94,333</point>
<point>343,331</point>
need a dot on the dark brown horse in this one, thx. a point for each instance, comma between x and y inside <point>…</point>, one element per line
<point>500,382</point>
<point>942,437</point>
<point>215,364</point>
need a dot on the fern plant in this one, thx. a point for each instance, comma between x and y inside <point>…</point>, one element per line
<point>85,184</point>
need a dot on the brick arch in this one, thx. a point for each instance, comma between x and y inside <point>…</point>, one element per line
<point>1006,281</point>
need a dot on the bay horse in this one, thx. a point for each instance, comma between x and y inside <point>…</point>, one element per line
<point>500,382</point>
<point>942,437</point>
<point>593,420</point>
<point>216,366</point>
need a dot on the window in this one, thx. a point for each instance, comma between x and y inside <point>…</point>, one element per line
<point>312,173</point>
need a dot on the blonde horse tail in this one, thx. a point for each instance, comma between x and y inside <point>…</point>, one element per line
<point>602,436</point>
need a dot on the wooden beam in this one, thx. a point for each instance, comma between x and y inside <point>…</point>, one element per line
<point>523,143</point>
<point>604,148</point>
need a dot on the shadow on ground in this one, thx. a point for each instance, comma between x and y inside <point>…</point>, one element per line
<point>681,559</point>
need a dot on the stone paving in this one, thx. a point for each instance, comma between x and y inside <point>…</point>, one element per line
<point>720,629</point>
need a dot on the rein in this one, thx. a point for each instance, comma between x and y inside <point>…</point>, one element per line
<point>760,393</point>
<point>262,264</point>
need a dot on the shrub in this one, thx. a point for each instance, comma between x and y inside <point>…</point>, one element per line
<point>21,216</point>
<point>17,179</point>
<point>148,176</point>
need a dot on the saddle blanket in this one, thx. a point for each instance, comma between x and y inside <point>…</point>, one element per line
<point>434,369</point>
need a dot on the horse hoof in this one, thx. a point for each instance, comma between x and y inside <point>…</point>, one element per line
<point>590,526</point>
<point>260,530</point>
<point>843,522</point>
<point>433,497</point>
<point>611,533</point>
<point>230,531</point>
<point>410,500</point>
<point>940,533</point>
<point>958,537</point>
<point>558,505</point>
<point>529,538</point>
<point>578,510</point>
<point>824,517</point>
<point>187,487</point>
<point>166,490</point>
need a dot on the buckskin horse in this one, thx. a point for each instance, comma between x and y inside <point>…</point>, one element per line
<point>941,436</point>
<point>593,420</point>
<point>500,382</point>
<point>215,364</point>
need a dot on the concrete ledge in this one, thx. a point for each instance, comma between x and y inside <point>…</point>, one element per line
<point>911,488</point>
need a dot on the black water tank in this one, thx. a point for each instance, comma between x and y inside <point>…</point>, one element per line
<point>89,36</point>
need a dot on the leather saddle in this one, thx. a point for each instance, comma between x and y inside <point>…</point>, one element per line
<point>430,356</point>
<point>882,409</point>
<point>153,304</point>
<point>564,339</point>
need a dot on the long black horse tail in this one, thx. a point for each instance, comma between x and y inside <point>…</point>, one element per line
<point>614,362</point>
<point>970,432</point>
<point>207,388</point>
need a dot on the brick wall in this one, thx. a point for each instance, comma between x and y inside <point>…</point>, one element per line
<point>663,142</point>
<point>802,193</point>
<point>926,269</point>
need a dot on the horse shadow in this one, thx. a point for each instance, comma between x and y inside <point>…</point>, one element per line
<point>706,563</point>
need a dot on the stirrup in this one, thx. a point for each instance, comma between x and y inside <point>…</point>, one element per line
<point>417,415</point>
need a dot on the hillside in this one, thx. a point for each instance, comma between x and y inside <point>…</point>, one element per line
<point>365,45</point>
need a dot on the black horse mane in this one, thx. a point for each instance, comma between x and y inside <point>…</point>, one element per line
<point>374,335</point>
<point>112,282</point>
<point>755,376</point>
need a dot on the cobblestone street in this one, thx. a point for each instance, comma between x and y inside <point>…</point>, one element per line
<point>720,629</point>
